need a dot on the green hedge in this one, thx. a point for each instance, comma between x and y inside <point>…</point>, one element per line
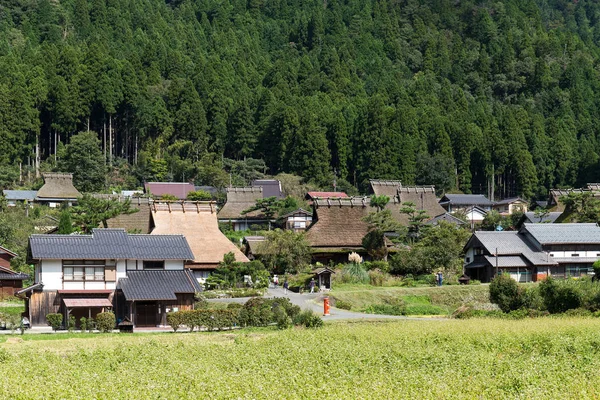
<point>210,319</point>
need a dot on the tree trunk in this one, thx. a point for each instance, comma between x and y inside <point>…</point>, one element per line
<point>104,134</point>
<point>135,153</point>
<point>37,156</point>
<point>110,138</point>
<point>55,136</point>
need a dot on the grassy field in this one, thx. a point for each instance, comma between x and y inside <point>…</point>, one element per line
<point>540,358</point>
<point>448,298</point>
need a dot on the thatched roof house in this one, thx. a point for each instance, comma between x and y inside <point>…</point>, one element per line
<point>137,222</point>
<point>338,227</point>
<point>58,187</point>
<point>422,196</point>
<point>197,221</point>
<point>238,200</point>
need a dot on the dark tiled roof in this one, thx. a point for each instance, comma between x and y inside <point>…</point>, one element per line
<point>549,218</point>
<point>467,199</point>
<point>157,285</point>
<point>13,277</point>
<point>509,201</point>
<point>564,233</point>
<point>20,194</point>
<point>511,243</point>
<point>270,187</point>
<point>445,217</point>
<point>110,244</point>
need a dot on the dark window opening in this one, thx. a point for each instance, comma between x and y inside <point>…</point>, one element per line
<point>154,265</point>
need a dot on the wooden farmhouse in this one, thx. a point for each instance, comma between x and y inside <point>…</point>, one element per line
<point>297,220</point>
<point>423,197</point>
<point>141,277</point>
<point>197,222</point>
<point>510,206</point>
<point>238,200</point>
<point>338,228</point>
<point>10,281</point>
<point>533,252</point>
<point>58,189</point>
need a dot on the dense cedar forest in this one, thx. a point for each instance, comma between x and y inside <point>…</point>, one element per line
<point>463,94</point>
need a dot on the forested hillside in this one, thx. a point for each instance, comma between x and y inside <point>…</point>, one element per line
<point>426,91</point>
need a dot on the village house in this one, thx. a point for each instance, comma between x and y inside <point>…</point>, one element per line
<point>58,189</point>
<point>463,202</point>
<point>297,220</point>
<point>510,206</point>
<point>338,228</point>
<point>270,187</point>
<point>445,217</point>
<point>10,281</point>
<point>241,199</point>
<point>423,198</point>
<point>141,277</point>
<point>533,252</point>
<point>311,196</point>
<point>16,197</point>
<point>197,222</point>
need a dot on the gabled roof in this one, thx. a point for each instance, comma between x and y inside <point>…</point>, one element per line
<point>4,250</point>
<point>20,195</point>
<point>177,189</point>
<point>270,187</point>
<point>240,199</point>
<point>137,222</point>
<point>381,187</point>
<point>510,200</point>
<point>509,243</point>
<point>466,200</point>
<point>105,244</point>
<point>9,274</point>
<point>339,223</point>
<point>507,261</point>
<point>546,234</point>
<point>445,217</point>
<point>58,186</point>
<point>197,221</point>
<point>298,211</point>
<point>325,195</point>
<point>530,217</point>
<point>253,244</point>
<point>157,285</point>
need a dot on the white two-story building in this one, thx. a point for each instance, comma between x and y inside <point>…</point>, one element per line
<point>141,277</point>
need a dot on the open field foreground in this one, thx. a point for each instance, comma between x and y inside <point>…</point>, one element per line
<point>542,358</point>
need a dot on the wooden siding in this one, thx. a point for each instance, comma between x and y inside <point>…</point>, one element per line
<point>8,288</point>
<point>41,304</point>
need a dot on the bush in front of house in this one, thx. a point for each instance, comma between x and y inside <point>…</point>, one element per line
<point>211,319</point>
<point>505,292</point>
<point>256,312</point>
<point>105,322</point>
<point>561,296</point>
<point>54,320</point>
<point>175,320</point>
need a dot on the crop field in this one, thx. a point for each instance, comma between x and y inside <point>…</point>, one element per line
<point>432,359</point>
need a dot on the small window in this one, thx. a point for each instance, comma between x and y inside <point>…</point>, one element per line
<point>77,274</point>
<point>68,274</point>
<point>99,274</point>
<point>468,259</point>
<point>89,274</point>
<point>574,255</point>
<point>154,265</point>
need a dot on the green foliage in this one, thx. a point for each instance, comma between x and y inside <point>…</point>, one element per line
<point>308,319</point>
<point>379,202</point>
<point>285,251</point>
<point>199,195</point>
<point>354,273</point>
<point>596,267</point>
<point>168,197</point>
<point>71,323</point>
<point>105,322</point>
<point>230,274</point>
<point>54,320</point>
<point>91,211</point>
<point>560,296</point>
<point>65,225</point>
<point>83,158</point>
<point>83,324</point>
<point>175,320</point>
<point>505,292</point>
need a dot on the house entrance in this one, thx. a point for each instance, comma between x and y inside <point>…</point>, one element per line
<point>145,313</point>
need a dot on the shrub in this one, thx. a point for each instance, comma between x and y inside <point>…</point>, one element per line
<point>71,323</point>
<point>105,322</point>
<point>427,279</point>
<point>505,292</point>
<point>386,309</point>
<point>256,312</point>
<point>91,324</point>
<point>344,305</point>
<point>211,319</point>
<point>308,319</point>
<point>383,266</point>
<point>474,282</point>
<point>423,309</point>
<point>354,273</point>
<point>175,320</point>
<point>83,323</point>
<point>377,277</point>
<point>281,318</point>
<point>54,320</point>
<point>234,306</point>
<point>559,297</point>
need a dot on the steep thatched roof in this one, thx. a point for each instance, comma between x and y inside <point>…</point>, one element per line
<point>58,186</point>
<point>138,222</point>
<point>422,196</point>
<point>240,199</point>
<point>338,223</point>
<point>197,221</point>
